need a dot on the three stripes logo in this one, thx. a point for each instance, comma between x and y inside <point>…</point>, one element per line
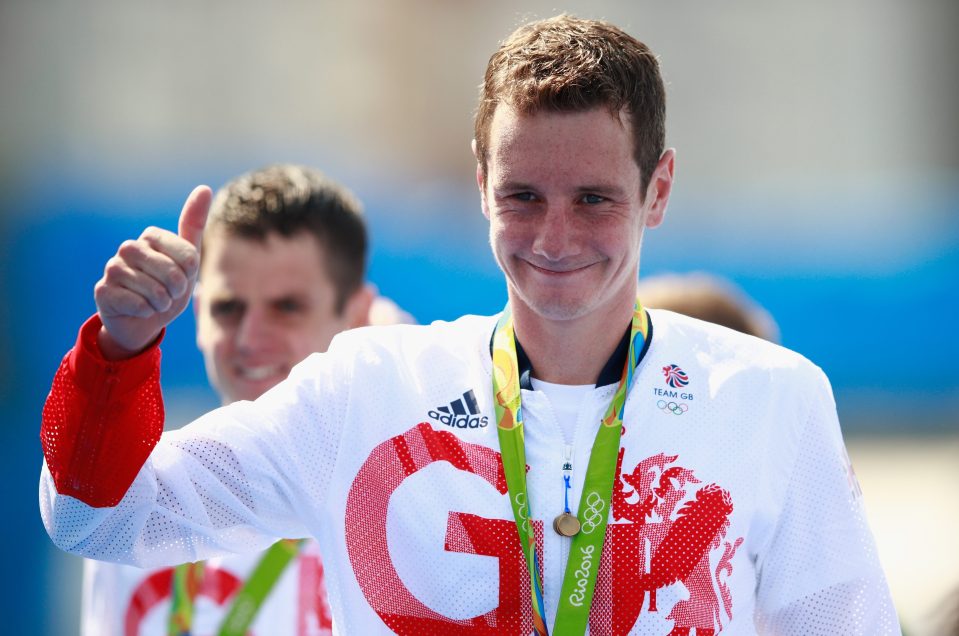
<point>461,413</point>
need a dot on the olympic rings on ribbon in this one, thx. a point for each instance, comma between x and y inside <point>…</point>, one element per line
<point>593,515</point>
<point>676,408</point>
<point>523,511</point>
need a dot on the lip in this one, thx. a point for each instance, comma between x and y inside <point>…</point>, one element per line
<point>259,373</point>
<point>559,271</point>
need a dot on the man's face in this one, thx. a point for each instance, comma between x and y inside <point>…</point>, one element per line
<point>564,198</point>
<point>262,307</point>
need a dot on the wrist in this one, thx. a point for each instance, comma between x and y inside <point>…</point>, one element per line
<point>112,350</point>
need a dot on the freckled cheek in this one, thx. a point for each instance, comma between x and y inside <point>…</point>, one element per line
<point>510,236</point>
<point>614,238</point>
<point>497,239</point>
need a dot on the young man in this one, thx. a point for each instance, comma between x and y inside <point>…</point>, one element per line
<point>283,268</point>
<point>510,474</point>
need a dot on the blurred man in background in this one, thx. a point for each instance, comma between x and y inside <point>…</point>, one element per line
<point>282,272</point>
<point>710,298</point>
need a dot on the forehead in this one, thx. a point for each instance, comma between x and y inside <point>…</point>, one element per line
<point>274,266</point>
<point>591,143</point>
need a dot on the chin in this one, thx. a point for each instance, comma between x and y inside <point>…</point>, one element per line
<point>240,391</point>
<point>237,396</point>
<point>559,306</point>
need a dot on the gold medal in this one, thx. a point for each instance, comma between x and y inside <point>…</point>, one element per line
<point>566,525</point>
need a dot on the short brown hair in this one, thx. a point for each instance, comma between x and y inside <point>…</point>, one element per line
<point>570,64</point>
<point>288,199</point>
<point>710,298</point>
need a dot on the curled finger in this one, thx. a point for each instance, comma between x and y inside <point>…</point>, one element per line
<point>140,255</point>
<point>120,275</point>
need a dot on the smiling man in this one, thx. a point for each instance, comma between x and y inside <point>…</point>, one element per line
<point>284,260</point>
<point>575,463</point>
<point>567,207</point>
<point>283,271</point>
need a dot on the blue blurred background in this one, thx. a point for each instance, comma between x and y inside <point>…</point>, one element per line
<point>818,167</point>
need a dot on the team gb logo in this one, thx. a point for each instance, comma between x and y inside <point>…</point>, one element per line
<point>675,377</point>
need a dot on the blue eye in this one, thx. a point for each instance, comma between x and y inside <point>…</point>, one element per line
<point>525,196</point>
<point>593,199</point>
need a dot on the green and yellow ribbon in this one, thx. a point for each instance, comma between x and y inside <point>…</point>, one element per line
<point>579,582</point>
<point>248,599</point>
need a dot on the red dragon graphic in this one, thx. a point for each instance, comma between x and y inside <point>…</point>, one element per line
<point>679,542</point>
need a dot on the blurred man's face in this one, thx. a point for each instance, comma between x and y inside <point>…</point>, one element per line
<point>263,306</point>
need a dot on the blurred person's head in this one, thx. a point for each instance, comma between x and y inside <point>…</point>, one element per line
<point>710,298</point>
<point>567,64</point>
<point>282,271</point>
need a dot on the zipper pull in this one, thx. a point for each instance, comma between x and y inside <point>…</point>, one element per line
<point>568,462</point>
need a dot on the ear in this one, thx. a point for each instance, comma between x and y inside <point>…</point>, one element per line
<point>481,182</point>
<point>197,300</point>
<point>659,189</point>
<point>384,311</point>
<point>357,310</point>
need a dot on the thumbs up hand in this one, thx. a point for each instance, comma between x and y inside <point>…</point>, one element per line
<point>149,281</point>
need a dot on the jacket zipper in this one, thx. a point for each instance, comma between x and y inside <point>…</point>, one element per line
<point>87,447</point>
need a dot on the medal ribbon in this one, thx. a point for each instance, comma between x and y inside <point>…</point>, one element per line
<point>183,590</point>
<point>258,586</point>
<point>579,581</point>
<point>248,599</point>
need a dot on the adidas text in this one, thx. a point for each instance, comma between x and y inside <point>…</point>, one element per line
<point>460,421</point>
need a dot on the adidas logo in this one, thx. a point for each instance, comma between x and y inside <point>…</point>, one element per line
<point>461,413</point>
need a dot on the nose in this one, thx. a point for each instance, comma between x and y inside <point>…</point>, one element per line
<point>255,330</point>
<point>555,238</point>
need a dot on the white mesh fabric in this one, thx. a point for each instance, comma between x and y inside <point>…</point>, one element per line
<point>193,500</point>
<point>821,573</point>
<point>856,607</point>
<point>725,514</point>
<point>121,600</point>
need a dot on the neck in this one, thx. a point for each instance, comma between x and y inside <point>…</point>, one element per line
<point>571,351</point>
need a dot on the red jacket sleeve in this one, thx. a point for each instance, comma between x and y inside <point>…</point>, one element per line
<point>101,420</point>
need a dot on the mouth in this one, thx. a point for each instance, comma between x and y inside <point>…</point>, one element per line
<point>559,270</point>
<point>260,373</point>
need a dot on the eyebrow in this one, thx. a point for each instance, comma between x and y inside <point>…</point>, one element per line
<point>604,189</point>
<point>224,298</point>
<point>290,296</point>
<point>608,190</point>
<point>513,185</point>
